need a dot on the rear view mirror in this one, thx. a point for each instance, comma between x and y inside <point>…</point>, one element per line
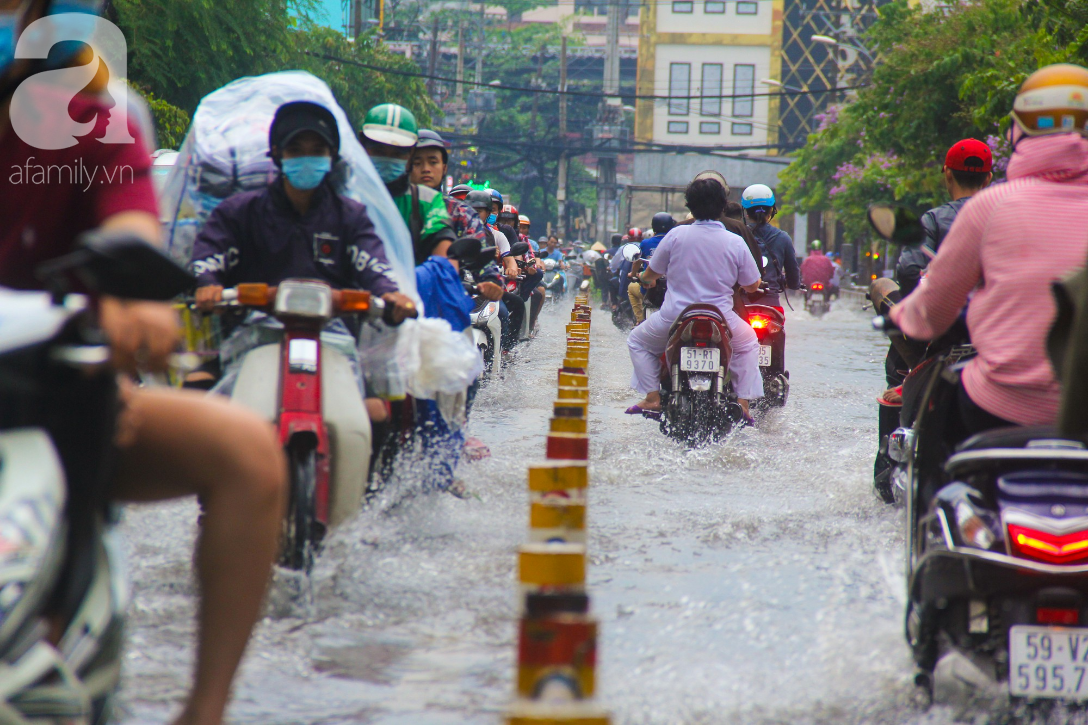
<point>897,224</point>
<point>518,249</point>
<point>630,252</point>
<point>464,248</point>
<point>119,264</point>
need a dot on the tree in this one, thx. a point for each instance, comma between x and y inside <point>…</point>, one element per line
<point>182,50</point>
<point>943,75</point>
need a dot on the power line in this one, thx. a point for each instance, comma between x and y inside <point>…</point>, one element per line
<point>557,92</point>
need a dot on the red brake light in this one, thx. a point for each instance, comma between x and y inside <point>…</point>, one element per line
<point>1053,615</point>
<point>702,329</point>
<point>1052,548</point>
<point>758,322</point>
<point>817,286</point>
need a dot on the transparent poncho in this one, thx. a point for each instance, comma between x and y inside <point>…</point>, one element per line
<point>226,151</point>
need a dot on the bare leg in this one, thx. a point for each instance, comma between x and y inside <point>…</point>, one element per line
<point>652,401</point>
<point>744,406</point>
<point>187,443</point>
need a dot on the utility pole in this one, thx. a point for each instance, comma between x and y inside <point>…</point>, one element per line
<point>561,193</point>
<point>460,94</point>
<point>356,18</point>
<point>433,64</point>
<point>480,54</point>
<point>609,119</point>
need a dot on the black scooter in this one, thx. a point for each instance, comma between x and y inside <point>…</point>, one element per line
<point>997,550</point>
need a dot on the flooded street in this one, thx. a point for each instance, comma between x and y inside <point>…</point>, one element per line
<point>754,581</point>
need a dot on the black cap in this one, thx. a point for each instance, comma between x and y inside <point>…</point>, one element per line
<point>298,116</point>
<point>430,139</point>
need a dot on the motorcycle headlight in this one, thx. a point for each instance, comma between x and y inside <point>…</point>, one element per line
<point>487,311</point>
<point>304,299</point>
<point>974,524</point>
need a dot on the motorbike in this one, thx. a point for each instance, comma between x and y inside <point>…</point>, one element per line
<point>623,316</point>
<point>485,321</point>
<point>697,399</point>
<point>513,286</point>
<point>769,325</point>
<point>997,541</point>
<point>555,281</point>
<point>818,299</point>
<point>309,389</point>
<point>62,584</point>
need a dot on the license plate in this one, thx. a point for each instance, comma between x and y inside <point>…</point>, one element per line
<point>764,356</point>
<point>700,359</point>
<point>1048,662</point>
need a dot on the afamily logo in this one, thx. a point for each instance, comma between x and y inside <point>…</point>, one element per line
<point>39,107</point>
<point>76,173</point>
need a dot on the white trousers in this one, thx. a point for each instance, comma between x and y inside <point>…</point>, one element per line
<point>647,343</point>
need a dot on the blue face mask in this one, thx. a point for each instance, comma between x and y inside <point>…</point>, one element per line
<point>492,218</point>
<point>306,172</point>
<point>389,169</point>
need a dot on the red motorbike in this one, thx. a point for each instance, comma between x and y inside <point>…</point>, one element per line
<point>769,325</point>
<point>309,391</point>
<point>697,398</point>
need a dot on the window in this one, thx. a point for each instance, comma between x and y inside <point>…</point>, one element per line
<point>714,7</point>
<point>742,129</point>
<point>712,127</point>
<point>678,126</point>
<point>744,82</point>
<point>747,8</point>
<point>683,6</point>
<point>679,85</point>
<point>711,102</point>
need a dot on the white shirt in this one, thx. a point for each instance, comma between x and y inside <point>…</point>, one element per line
<point>702,262</point>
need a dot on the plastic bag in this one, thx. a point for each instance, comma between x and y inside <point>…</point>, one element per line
<point>449,361</point>
<point>226,151</point>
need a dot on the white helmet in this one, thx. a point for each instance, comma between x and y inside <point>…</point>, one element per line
<point>757,195</point>
<point>549,265</point>
<point>590,256</point>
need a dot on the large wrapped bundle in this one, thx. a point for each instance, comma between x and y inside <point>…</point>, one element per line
<point>226,151</point>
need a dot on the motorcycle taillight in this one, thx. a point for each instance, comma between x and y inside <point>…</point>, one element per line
<point>705,331</point>
<point>817,286</point>
<point>1052,548</point>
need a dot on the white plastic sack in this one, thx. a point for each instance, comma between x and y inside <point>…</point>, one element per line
<point>226,151</point>
<point>448,361</point>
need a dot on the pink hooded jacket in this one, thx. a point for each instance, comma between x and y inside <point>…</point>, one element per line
<point>1010,241</point>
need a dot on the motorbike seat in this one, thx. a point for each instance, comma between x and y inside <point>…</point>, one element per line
<point>1016,446</point>
<point>694,310</point>
<point>1017,437</point>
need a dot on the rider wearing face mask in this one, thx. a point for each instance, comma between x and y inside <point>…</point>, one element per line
<point>389,135</point>
<point>298,226</point>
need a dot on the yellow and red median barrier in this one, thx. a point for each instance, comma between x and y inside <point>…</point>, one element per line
<point>557,638</point>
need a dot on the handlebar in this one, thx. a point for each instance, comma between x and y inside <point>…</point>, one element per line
<point>344,302</point>
<point>885,324</point>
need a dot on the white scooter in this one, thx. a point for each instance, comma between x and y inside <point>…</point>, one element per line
<point>63,590</point>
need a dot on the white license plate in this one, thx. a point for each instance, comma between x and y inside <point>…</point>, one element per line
<point>1048,662</point>
<point>764,356</point>
<point>700,359</point>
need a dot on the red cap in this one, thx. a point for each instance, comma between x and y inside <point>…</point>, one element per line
<point>970,155</point>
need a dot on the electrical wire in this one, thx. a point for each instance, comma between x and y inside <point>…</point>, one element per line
<point>557,92</point>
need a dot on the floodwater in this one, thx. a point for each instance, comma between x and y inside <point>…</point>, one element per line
<point>757,580</point>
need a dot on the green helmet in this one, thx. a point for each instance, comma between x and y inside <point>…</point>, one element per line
<point>815,244</point>
<point>392,125</point>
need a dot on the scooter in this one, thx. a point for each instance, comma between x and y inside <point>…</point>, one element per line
<point>308,389</point>
<point>555,281</point>
<point>697,398</point>
<point>770,325</point>
<point>513,286</point>
<point>997,555</point>
<point>62,585</point>
<point>623,316</point>
<point>817,299</point>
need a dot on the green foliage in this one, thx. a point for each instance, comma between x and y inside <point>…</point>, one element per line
<point>942,76</point>
<point>182,50</point>
<point>171,122</point>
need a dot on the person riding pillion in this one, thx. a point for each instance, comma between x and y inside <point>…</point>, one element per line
<point>389,134</point>
<point>781,272</point>
<point>661,223</point>
<point>427,167</point>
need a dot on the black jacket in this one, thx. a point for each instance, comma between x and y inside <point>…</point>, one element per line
<point>913,260</point>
